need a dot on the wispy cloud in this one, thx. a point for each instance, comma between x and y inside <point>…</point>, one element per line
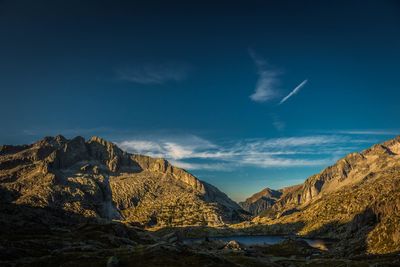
<point>201,166</point>
<point>368,132</point>
<point>154,73</point>
<point>300,141</point>
<point>268,81</point>
<point>271,162</point>
<point>294,91</point>
<point>278,123</point>
<point>267,87</point>
<point>184,147</point>
<point>195,153</point>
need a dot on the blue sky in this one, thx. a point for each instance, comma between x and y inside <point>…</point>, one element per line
<point>244,95</point>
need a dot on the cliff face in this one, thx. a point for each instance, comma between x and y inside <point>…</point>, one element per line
<point>96,179</point>
<point>261,201</point>
<point>357,199</point>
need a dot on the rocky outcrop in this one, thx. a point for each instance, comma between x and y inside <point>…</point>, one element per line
<point>95,179</point>
<point>261,201</point>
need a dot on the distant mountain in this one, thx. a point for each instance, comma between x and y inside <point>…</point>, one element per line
<point>57,181</point>
<point>95,179</point>
<point>261,201</point>
<point>357,200</point>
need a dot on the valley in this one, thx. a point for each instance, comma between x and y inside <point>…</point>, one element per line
<point>88,203</point>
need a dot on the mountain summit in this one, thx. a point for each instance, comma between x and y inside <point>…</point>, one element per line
<point>261,201</point>
<point>96,179</point>
<point>357,200</point>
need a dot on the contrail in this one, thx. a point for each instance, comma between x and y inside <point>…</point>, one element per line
<point>295,90</point>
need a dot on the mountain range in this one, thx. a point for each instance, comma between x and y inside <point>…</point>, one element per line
<point>95,179</point>
<point>57,183</point>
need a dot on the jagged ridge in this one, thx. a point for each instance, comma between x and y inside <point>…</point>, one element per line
<point>96,179</point>
<point>357,199</point>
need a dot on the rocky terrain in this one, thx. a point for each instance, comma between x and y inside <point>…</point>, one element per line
<point>96,179</point>
<point>261,201</point>
<point>356,200</point>
<point>117,244</point>
<point>88,203</point>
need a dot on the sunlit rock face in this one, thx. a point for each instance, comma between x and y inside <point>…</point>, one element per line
<point>96,179</point>
<point>357,199</point>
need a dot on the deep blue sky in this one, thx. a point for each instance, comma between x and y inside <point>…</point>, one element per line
<point>179,80</point>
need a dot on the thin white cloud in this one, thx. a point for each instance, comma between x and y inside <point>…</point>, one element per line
<point>154,73</point>
<point>270,162</point>
<point>195,153</point>
<point>144,147</point>
<point>201,166</point>
<point>294,91</point>
<point>368,132</point>
<point>268,81</point>
<point>172,148</point>
<point>300,141</point>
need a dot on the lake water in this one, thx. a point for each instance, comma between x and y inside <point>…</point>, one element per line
<point>263,240</point>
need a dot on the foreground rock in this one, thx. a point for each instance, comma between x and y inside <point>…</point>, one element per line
<point>234,245</point>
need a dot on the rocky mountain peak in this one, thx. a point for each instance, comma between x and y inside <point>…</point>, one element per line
<point>95,178</point>
<point>110,147</point>
<point>108,153</point>
<point>350,170</point>
<point>356,198</point>
<point>266,192</point>
<point>261,201</point>
<point>54,141</point>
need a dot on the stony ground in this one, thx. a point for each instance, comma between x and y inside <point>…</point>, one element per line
<point>117,244</point>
